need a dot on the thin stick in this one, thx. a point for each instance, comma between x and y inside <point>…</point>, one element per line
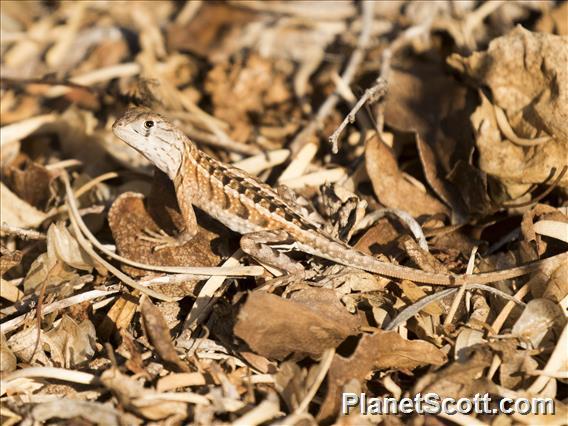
<point>323,368</point>
<point>88,248</point>
<point>52,373</point>
<point>371,95</point>
<point>413,309</point>
<point>368,9</point>
<point>14,323</point>
<point>556,362</point>
<point>204,300</point>
<point>461,291</point>
<point>500,320</point>
<point>24,234</point>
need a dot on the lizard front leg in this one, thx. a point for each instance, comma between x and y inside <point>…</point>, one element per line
<point>190,227</point>
<point>258,245</point>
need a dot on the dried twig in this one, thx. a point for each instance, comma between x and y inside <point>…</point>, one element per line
<point>71,202</point>
<point>457,299</point>
<point>413,309</point>
<point>25,234</point>
<point>371,95</point>
<point>327,107</point>
<point>14,323</point>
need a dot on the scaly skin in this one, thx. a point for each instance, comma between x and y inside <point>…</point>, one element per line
<point>249,207</point>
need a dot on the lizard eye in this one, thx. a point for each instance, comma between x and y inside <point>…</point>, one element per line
<point>148,124</point>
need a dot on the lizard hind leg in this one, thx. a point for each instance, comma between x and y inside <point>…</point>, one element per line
<point>258,245</point>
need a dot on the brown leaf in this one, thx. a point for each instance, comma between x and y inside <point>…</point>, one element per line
<point>131,393</point>
<point>307,325</point>
<point>9,259</point>
<point>8,360</point>
<point>475,188</point>
<point>128,217</point>
<point>460,379</point>
<point>16,212</point>
<point>31,182</point>
<point>67,249</point>
<point>528,78</point>
<point>390,186</point>
<point>378,351</point>
<point>205,33</point>
<point>71,343</point>
<point>540,317</point>
<point>557,287</point>
<point>158,334</point>
<point>119,317</point>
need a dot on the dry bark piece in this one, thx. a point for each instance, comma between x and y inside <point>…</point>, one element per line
<point>378,351</point>
<point>310,323</point>
<point>390,186</point>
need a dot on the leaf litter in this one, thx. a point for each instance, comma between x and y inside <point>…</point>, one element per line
<point>429,134</point>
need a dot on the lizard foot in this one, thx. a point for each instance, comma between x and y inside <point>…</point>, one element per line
<point>162,239</point>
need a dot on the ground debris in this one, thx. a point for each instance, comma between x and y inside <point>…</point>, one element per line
<point>427,134</point>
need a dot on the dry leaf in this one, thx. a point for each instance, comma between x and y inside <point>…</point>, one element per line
<point>540,317</point>
<point>460,379</point>
<point>16,212</point>
<point>71,343</point>
<point>67,249</point>
<point>381,350</point>
<point>528,78</point>
<point>131,395</point>
<point>7,358</point>
<point>385,175</point>
<point>307,325</point>
<point>159,335</point>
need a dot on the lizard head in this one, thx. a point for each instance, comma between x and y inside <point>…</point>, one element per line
<point>153,136</point>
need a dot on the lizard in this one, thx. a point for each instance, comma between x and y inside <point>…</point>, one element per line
<point>255,210</point>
